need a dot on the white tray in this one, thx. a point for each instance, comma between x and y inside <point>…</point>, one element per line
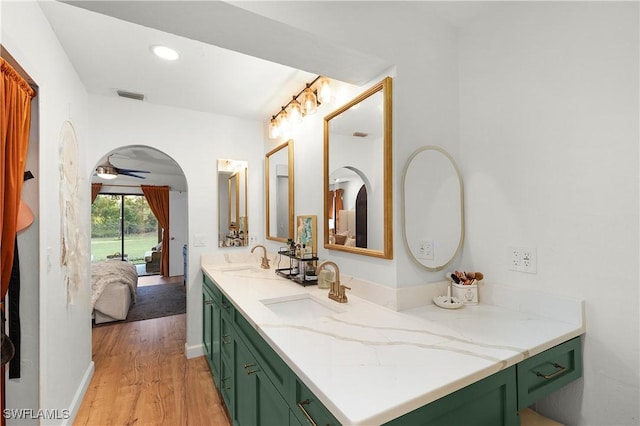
<point>447,302</point>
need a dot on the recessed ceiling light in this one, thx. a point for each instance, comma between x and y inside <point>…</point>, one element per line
<point>165,52</point>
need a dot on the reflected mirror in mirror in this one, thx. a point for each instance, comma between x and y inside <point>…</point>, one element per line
<point>233,223</point>
<point>433,208</point>
<point>357,174</point>
<point>279,185</point>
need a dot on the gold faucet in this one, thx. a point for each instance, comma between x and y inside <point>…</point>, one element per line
<point>337,290</point>
<point>265,259</point>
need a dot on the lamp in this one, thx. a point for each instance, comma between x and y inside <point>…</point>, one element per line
<point>304,103</point>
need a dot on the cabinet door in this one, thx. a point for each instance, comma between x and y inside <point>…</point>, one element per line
<point>271,407</point>
<point>216,342</point>
<point>244,412</point>
<point>257,401</point>
<point>207,315</point>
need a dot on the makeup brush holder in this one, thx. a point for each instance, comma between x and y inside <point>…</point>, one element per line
<point>467,293</point>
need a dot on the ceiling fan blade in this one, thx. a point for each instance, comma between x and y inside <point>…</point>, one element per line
<point>131,170</point>
<point>128,173</point>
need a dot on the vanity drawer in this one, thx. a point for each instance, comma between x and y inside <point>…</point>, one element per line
<point>548,371</point>
<point>309,408</point>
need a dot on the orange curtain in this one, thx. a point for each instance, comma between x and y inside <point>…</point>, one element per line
<point>158,199</point>
<point>15,121</point>
<point>95,190</point>
<point>339,205</point>
<point>330,197</point>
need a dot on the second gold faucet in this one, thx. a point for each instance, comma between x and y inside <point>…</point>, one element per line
<point>337,291</point>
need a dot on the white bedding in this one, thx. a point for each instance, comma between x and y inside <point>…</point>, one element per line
<point>117,281</point>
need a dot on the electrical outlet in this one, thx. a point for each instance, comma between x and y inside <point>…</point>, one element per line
<point>522,259</point>
<point>425,250</point>
<point>528,262</point>
<point>253,238</point>
<point>513,258</point>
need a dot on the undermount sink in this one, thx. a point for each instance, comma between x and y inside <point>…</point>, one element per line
<point>301,307</point>
<point>237,267</point>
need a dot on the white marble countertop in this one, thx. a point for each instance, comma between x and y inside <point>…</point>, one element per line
<point>369,364</point>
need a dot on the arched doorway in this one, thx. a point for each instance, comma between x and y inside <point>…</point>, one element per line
<point>127,227</point>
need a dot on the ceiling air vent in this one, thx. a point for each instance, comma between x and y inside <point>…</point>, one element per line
<point>130,95</point>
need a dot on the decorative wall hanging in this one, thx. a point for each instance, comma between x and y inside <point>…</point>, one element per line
<point>72,239</point>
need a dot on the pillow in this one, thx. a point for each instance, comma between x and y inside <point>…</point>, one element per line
<point>340,239</point>
<point>351,242</point>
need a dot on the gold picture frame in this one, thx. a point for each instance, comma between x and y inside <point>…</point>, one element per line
<point>307,231</point>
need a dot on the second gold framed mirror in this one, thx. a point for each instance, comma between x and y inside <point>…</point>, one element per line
<point>358,174</point>
<point>279,187</point>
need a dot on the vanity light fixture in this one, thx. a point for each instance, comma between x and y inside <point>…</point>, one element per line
<point>165,52</point>
<point>304,103</point>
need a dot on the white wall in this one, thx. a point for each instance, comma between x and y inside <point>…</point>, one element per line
<point>196,141</point>
<point>549,147</point>
<point>425,109</point>
<point>64,331</point>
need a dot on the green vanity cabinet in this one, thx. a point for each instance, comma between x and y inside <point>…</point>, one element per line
<point>488,402</point>
<point>548,371</point>
<point>258,387</point>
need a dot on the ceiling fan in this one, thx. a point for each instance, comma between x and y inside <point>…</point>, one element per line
<point>109,171</point>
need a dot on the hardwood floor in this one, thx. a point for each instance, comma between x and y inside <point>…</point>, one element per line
<point>142,377</point>
<point>158,279</point>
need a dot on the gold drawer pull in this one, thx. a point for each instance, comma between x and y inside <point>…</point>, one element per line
<point>250,372</point>
<point>208,302</point>
<point>226,340</point>
<point>561,369</point>
<point>223,382</point>
<point>300,405</point>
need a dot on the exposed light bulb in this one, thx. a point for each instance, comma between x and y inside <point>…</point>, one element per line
<point>283,123</point>
<point>309,101</point>
<point>274,131</point>
<point>324,90</point>
<point>295,111</point>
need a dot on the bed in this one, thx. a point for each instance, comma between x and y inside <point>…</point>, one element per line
<point>114,284</point>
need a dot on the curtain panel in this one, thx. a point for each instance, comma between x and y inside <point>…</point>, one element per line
<point>15,121</point>
<point>158,199</point>
<point>95,190</point>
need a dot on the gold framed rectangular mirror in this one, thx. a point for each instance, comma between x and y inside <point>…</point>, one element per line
<point>358,198</point>
<point>279,193</point>
<point>233,222</point>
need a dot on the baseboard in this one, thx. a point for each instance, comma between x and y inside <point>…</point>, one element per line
<point>193,351</point>
<point>79,396</point>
